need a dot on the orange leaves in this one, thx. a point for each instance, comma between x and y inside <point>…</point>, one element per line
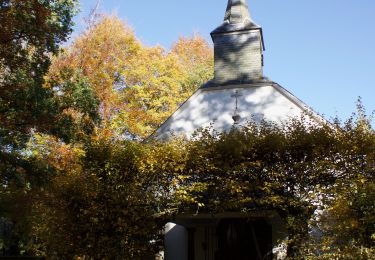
<point>196,58</point>
<point>138,87</point>
<point>193,51</point>
<point>62,157</point>
<point>103,54</point>
<point>154,92</point>
<point>157,84</point>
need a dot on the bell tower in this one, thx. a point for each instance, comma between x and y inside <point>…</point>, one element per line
<point>238,46</point>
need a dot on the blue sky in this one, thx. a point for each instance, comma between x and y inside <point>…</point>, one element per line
<point>323,51</point>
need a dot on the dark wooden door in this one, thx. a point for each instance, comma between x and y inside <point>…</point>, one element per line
<point>242,239</point>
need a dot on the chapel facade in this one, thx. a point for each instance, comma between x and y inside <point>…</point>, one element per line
<point>238,93</point>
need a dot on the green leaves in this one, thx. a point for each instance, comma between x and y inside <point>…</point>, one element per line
<point>103,198</point>
<point>30,34</point>
<point>77,104</point>
<point>138,87</point>
<point>104,210</point>
<point>31,31</point>
<point>127,190</point>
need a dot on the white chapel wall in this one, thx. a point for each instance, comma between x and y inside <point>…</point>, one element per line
<point>217,106</point>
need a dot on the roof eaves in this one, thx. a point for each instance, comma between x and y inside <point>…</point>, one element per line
<point>302,105</point>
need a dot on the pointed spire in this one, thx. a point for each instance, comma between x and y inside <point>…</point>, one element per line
<point>237,12</point>
<point>237,18</point>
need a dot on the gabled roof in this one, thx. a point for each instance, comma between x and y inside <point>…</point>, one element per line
<point>211,104</point>
<point>237,18</point>
<point>255,99</point>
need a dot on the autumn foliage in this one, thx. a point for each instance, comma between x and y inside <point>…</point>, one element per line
<point>76,183</point>
<point>138,86</point>
<point>127,190</point>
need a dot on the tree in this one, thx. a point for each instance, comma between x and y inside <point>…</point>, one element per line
<point>293,169</point>
<point>138,87</point>
<point>77,106</point>
<point>347,223</point>
<point>103,208</point>
<point>347,226</point>
<point>47,117</point>
<point>196,58</point>
<point>30,34</point>
<point>154,93</point>
<point>103,54</point>
<point>100,196</point>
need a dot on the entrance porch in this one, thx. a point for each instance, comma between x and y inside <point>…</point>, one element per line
<point>226,236</point>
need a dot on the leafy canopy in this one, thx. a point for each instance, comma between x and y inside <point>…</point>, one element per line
<point>289,169</point>
<point>137,86</point>
<point>31,33</point>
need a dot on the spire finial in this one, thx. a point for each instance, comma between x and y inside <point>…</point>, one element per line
<point>237,12</point>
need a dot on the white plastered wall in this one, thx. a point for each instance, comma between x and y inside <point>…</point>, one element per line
<point>216,105</point>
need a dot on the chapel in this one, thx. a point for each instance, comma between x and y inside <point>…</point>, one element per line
<point>238,93</point>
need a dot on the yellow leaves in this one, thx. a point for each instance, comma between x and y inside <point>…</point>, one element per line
<point>102,54</point>
<point>184,196</point>
<point>61,156</point>
<point>138,86</point>
<point>74,114</point>
<point>193,51</point>
<point>155,91</point>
